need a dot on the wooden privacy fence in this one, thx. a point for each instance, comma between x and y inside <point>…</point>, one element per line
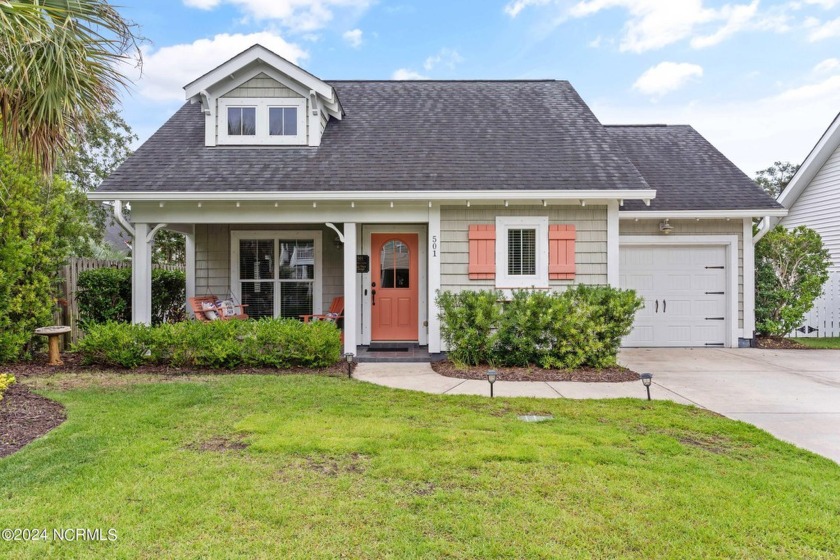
<point>68,312</point>
<point>824,318</point>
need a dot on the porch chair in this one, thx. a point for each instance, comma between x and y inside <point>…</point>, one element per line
<point>212,308</point>
<point>335,314</point>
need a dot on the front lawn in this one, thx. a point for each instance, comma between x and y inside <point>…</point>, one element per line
<point>830,343</point>
<point>279,467</point>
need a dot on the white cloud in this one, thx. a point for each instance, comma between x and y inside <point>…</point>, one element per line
<point>754,132</point>
<point>354,37</point>
<point>825,4</point>
<point>407,74</point>
<point>827,65</point>
<point>821,31</point>
<point>666,77</point>
<point>448,58</point>
<point>168,69</point>
<point>297,15</point>
<point>653,24</point>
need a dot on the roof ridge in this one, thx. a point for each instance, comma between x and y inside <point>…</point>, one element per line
<point>539,80</point>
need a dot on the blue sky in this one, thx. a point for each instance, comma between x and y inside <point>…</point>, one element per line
<point>760,79</point>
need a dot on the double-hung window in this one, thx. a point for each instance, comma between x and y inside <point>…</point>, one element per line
<point>277,273</point>
<point>522,252</point>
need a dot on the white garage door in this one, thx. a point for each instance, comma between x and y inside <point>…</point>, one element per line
<point>684,288</point>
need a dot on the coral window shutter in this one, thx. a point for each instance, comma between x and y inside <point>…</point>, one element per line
<point>561,252</point>
<point>482,252</point>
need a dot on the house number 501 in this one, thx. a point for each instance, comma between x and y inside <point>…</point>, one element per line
<point>434,245</point>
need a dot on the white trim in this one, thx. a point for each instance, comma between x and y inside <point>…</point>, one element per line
<point>276,235</point>
<point>422,274</point>
<point>415,195</point>
<point>538,280</point>
<point>434,278</point>
<point>731,244</point>
<point>708,214</point>
<point>351,288</point>
<point>749,279</point>
<point>613,256</point>
<point>189,267</point>
<point>262,107</point>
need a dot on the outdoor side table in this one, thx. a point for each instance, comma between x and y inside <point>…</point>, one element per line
<point>53,333</point>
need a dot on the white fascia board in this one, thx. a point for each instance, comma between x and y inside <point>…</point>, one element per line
<point>553,195</point>
<point>705,214</point>
<point>258,52</point>
<point>826,146</point>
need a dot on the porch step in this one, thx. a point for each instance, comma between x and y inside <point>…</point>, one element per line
<point>395,352</point>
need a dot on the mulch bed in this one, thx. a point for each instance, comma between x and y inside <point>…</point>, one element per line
<point>73,364</point>
<point>615,374</point>
<point>24,417</point>
<point>779,343</point>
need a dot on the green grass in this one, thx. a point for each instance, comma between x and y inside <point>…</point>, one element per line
<point>342,469</point>
<point>830,343</point>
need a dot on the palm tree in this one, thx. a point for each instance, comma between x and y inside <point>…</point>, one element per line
<point>62,63</point>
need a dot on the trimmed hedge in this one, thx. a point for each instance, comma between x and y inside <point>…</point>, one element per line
<point>267,343</point>
<point>104,294</point>
<point>579,327</point>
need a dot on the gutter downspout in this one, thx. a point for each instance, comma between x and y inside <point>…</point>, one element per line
<point>120,218</point>
<point>763,227</point>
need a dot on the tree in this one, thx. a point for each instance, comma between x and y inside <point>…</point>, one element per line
<point>791,269</point>
<point>775,178</point>
<point>63,63</point>
<point>169,248</point>
<point>34,229</point>
<point>106,143</point>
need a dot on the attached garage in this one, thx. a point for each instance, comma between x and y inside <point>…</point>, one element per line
<point>690,291</point>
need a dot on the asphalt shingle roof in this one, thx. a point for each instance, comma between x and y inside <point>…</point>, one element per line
<point>687,172</point>
<point>402,136</point>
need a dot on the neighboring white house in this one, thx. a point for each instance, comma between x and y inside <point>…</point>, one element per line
<point>280,180</point>
<point>813,199</point>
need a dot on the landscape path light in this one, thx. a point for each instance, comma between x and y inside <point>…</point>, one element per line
<point>647,379</point>
<point>491,377</point>
<point>348,357</point>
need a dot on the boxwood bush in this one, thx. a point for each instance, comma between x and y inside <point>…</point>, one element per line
<point>104,294</point>
<point>579,327</point>
<point>267,343</point>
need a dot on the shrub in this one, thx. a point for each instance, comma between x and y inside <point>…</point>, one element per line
<point>469,322</point>
<point>581,326</point>
<point>791,267</point>
<point>269,343</point>
<point>104,294</point>
<point>6,381</point>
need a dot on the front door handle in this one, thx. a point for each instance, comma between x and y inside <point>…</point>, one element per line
<point>373,297</point>
<point>657,306</point>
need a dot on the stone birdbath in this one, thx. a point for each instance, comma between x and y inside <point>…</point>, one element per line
<point>53,333</point>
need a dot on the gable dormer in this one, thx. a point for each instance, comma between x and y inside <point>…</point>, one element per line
<point>258,98</point>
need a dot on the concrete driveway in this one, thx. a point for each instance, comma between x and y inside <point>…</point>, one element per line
<point>793,394</point>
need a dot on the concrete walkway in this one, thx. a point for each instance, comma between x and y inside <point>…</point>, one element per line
<point>421,377</point>
<point>793,394</point>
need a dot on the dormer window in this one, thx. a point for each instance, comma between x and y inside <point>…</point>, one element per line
<point>242,121</point>
<point>269,121</point>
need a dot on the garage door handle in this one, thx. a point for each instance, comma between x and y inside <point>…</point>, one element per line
<point>664,306</point>
<point>657,306</point>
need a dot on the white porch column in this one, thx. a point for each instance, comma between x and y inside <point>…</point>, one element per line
<point>749,279</point>
<point>434,278</point>
<point>141,276</point>
<point>189,262</point>
<point>612,244</point>
<point>351,289</point>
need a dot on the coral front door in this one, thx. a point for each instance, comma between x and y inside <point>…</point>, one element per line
<point>393,288</point>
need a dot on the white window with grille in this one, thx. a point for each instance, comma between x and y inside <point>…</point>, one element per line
<point>522,252</point>
<point>277,273</point>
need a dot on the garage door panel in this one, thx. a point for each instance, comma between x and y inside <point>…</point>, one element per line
<point>689,287</point>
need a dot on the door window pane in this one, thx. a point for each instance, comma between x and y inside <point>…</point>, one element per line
<point>394,265</point>
<point>522,252</point>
